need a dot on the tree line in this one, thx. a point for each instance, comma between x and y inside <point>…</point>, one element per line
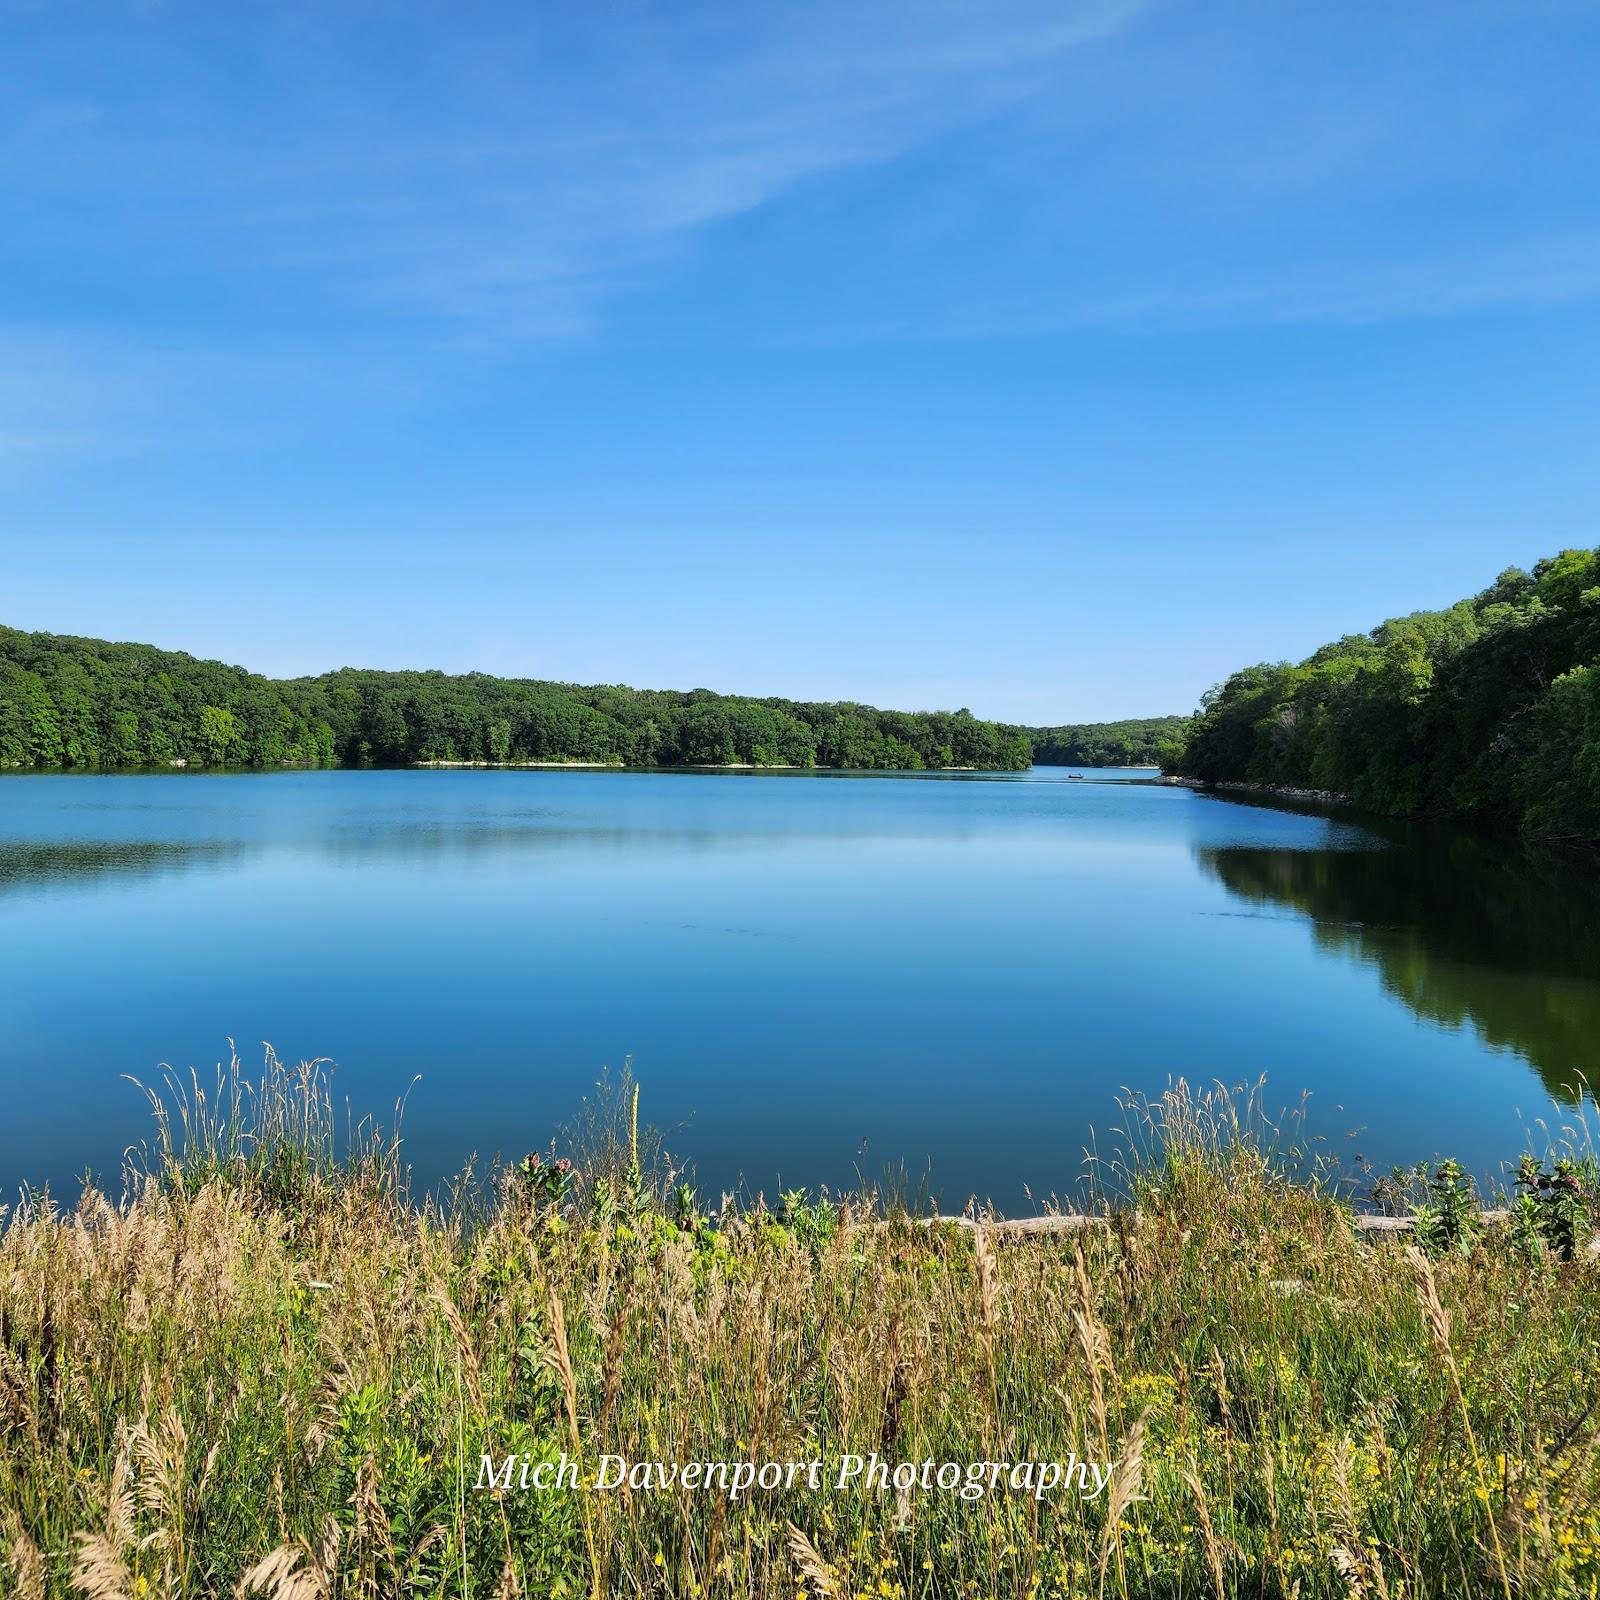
<point>89,704</point>
<point>1138,742</point>
<point>1488,710</point>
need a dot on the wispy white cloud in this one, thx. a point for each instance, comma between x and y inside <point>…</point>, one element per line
<point>54,392</point>
<point>1538,271</point>
<point>209,217</point>
<point>75,389</point>
<point>522,180</point>
<point>527,175</point>
<point>1452,278</point>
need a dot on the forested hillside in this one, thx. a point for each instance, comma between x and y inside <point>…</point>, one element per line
<point>1139,742</point>
<point>1489,710</point>
<point>86,703</point>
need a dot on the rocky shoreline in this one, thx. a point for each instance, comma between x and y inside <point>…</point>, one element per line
<point>1275,791</point>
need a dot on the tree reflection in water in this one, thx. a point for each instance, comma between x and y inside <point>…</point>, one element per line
<point>1466,931</point>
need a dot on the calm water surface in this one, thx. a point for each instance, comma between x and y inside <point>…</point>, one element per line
<point>815,976</point>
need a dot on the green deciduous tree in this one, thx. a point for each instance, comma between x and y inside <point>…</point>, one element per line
<point>218,735</point>
<point>1485,710</point>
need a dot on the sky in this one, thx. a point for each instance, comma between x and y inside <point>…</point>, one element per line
<point>1051,360</point>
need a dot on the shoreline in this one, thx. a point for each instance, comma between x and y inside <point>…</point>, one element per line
<point>1276,791</point>
<point>682,766</point>
<point>178,769</point>
<point>194,769</point>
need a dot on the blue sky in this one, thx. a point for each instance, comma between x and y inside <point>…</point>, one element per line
<point>1050,360</point>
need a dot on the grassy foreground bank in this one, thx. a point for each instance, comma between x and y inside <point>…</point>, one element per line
<point>266,1372</point>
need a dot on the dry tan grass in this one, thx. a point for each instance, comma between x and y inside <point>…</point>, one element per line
<point>280,1382</point>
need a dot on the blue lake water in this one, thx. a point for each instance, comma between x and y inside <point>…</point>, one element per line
<point>816,976</point>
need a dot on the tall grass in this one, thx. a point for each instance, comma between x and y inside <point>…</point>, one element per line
<point>266,1370</point>
<point>275,1134</point>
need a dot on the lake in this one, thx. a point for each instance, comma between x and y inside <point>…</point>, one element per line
<point>816,977</point>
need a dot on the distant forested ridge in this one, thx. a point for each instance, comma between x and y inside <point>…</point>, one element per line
<point>1141,742</point>
<point>89,704</point>
<point>1488,711</point>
